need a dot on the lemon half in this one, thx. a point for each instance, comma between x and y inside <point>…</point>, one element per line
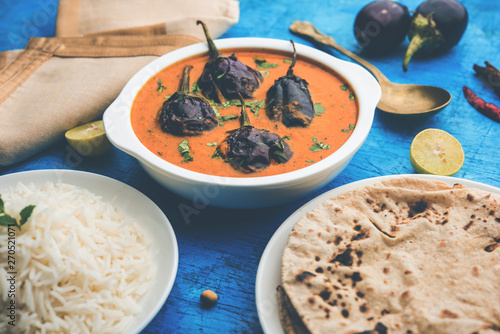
<point>435,151</point>
<point>89,139</point>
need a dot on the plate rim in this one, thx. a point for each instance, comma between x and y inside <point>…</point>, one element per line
<point>269,323</point>
<point>68,176</point>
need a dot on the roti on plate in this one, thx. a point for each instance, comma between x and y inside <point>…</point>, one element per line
<point>406,255</point>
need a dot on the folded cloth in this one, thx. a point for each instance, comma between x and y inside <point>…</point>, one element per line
<point>59,83</point>
<point>82,17</point>
<point>55,84</point>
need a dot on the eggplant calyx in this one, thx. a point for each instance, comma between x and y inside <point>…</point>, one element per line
<point>244,120</point>
<point>184,85</point>
<point>214,52</point>
<point>424,34</point>
<point>220,97</point>
<point>289,73</point>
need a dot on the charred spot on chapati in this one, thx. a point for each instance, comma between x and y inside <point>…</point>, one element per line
<point>344,258</point>
<point>304,276</point>
<point>416,208</point>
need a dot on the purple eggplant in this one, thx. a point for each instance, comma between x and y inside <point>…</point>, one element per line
<point>289,99</point>
<point>381,25</point>
<point>436,26</point>
<point>226,77</point>
<point>187,114</point>
<point>250,150</point>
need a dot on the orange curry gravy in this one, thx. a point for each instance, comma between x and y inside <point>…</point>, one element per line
<point>333,127</point>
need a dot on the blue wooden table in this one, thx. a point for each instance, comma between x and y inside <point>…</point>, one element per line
<point>220,249</point>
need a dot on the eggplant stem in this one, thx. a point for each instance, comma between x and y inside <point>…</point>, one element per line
<point>220,97</point>
<point>214,52</point>
<point>417,42</point>
<point>290,69</point>
<point>424,33</point>
<point>245,121</point>
<point>184,87</point>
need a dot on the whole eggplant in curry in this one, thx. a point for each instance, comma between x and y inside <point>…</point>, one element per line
<point>185,113</point>
<point>226,77</point>
<point>289,99</point>
<point>249,150</point>
<point>436,26</point>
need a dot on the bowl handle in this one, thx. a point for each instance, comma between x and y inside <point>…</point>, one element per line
<point>118,127</point>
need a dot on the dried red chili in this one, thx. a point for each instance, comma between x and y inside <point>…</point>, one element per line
<point>488,109</point>
<point>489,75</point>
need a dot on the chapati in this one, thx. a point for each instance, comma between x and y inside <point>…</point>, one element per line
<point>406,255</point>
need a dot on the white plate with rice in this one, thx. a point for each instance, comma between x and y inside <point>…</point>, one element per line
<point>269,270</point>
<point>100,253</point>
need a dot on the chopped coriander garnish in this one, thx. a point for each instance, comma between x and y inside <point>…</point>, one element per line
<point>310,161</point>
<point>287,60</point>
<point>351,127</point>
<point>318,145</point>
<point>265,73</point>
<point>7,220</point>
<point>280,154</point>
<point>160,86</point>
<point>257,105</point>
<point>343,106</point>
<point>262,63</point>
<point>343,87</point>
<point>184,150</point>
<point>221,75</point>
<point>212,144</point>
<point>319,109</point>
<point>281,144</point>
<point>194,87</point>
<point>216,155</point>
<point>228,117</point>
<point>268,103</point>
<point>254,106</point>
<point>351,96</point>
<point>229,103</point>
<point>216,112</point>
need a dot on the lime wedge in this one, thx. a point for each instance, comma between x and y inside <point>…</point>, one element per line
<point>435,151</point>
<point>89,139</point>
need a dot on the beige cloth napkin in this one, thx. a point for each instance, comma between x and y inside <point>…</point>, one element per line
<point>55,84</point>
<point>83,17</point>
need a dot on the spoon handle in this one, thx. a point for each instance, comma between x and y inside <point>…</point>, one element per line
<point>308,30</point>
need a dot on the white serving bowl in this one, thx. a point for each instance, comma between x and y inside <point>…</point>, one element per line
<point>244,192</point>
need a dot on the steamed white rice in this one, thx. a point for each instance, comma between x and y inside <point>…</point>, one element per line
<point>82,265</point>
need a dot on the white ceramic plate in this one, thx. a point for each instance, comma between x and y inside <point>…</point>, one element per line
<point>269,271</point>
<point>135,205</point>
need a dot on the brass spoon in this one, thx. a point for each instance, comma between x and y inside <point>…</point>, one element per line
<point>401,99</point>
